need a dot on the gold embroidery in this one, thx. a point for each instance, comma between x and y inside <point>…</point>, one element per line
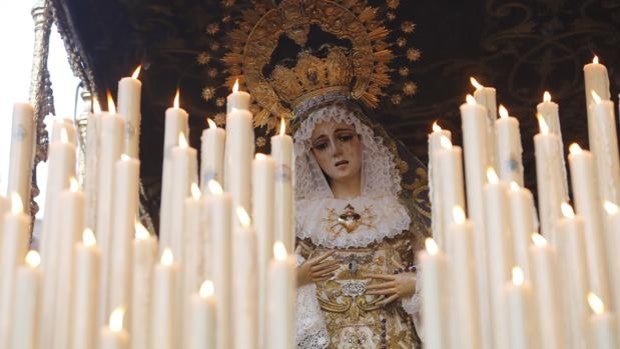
<point>349,220</point>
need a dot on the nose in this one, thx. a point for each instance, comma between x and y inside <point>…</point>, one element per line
<point>336,148</point>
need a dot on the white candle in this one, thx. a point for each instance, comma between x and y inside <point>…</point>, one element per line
<point>282,297</point>
<point>474,123</point>
<point>549,308</point>
<point>69,225</point>
<point>238,158</point>
<point>588,206</point>
<point>449,160</point>
<point>176,123</point>
<point>114,336</point>
<point>605,147</point>
<point>486,97</point>
<point>91,173</point>
<point>212,154</point>
<point>522,329</point>
<point>221,261</point>
<point>596,79</point>
<point>203,309</point>
<point>66,124</point>
<point>144,254</point>
<point>86,277</point>
<point>129,94</point>
<point>508,147</point>
<point>522,218</point>
<point>284,221</point>
<point>601,325</point>
<point>237,99</point>
<point>435,298</point>
<point>22,152</point>
<point>244,283</point>
<point>263,181</point>
<point>549,174</point>
<point>27,310</point>
<point>573,274</point>
<point>125,210</point>
<point>435,174</point>
<point>5,206</point>
<point>612,237</point>
<point>462,271</point>
<point>14,248</point>
<point>164,331</point>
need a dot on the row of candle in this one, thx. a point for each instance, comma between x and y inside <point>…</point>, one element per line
<point>503,217</point>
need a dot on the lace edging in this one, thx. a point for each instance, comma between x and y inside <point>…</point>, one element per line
<point>311,331</point>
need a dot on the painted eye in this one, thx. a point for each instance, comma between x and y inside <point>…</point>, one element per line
<point>320,146</point>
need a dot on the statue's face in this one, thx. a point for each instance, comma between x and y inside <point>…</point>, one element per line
<point>338,150</point>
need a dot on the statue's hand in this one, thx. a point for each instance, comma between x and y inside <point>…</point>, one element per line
<point>392,286</point>
<point>316,269</point>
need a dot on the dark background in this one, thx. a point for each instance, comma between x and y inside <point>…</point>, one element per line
<point>520,47</point>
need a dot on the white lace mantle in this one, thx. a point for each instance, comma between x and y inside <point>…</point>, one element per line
<point>390,219</point>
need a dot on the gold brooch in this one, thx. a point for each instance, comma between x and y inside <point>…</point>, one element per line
<point>348,220</point>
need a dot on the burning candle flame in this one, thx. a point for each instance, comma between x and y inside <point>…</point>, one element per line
<point>503,112</point>
<point>74,186</point>
<point>116,319</point>
<point>595,97</point>
<point>458,214</point>
<point>546,96</point>
<point>244,217</point>
<point>17,206</point>
<point>610,207</point>
<point>596,304</point>
<point>167,258</point>
<point>207,289</point>
<point>282,127</point>
<point>136,72</point>
<point>567,210</point>
<point>514,186</point>
<point>125,157</point>
<point>235,88</point>
<point>260,156</point>
<point>195,191</point>
<point>517,276</point>
<point>175,103</point>
<point>33,258</point>
<point>492,175</point>
<point>212,124</point>
<point>470,100</point>
<point>183,140</point>
<point>64,137</point>
<point>431,246</point>
<point>445,142</point>
<point>96,106</point>
<point>88,237</point>
<point>595,59</point>
<point>141,232</point>
<point>538,240</point>
<point>214,187</point>
<point>279,251</point>
<point>475,83</point>
<point>575,149</point>
<point>111,106</point>
<point>436,127</point>
<point>542,124</point>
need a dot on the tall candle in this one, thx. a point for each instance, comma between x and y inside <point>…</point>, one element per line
<point>203,331</point>
<point>212,154</point>
<point>601,325</point>
<point>508,147</point>
<point>61,123</point>
<point>244,283</point>
<point>474,123</point>
<point>14,248</point>
<point>588,205</point>
<point>596,79</point>
<point>462,271</point>
<point>21,152</point>
<point>282,285</point>
<point>27,300</point>
<point>91,173</point>
<point>435,299</point>
<point>521,326</point>
<point>176,123</point>
<point>282,152</point>
<point>522,218</point>
<point>144,254</point>
<point>549,173</point>
<point>237,99</point>
<point>114,336</point>
<point>221,261</point>
<point>550,313</point>
<point>125,210</point>
<point>573,274</point>
<point>238,158</point>
<point>129,94</point>
<point>263,181</point>
<point>86,277</point>
<point>164,331</point>
<point>486,97</point>
<point>612,237</point>
<point>435,175</point>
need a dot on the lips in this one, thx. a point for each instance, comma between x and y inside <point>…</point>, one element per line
<point>341,162</point>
